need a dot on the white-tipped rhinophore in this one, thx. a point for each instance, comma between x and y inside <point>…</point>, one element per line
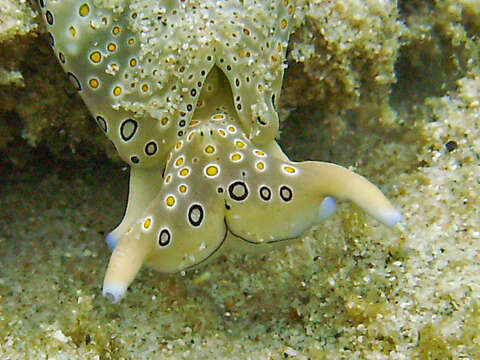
<point>126,261</point>
<point>337,181</point>
<point>144,186</point>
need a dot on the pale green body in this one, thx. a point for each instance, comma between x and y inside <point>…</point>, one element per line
<point>256,213</point>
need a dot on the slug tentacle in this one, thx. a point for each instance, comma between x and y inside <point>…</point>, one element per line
<point>144,186</point>
<point>126,261</point>
<point>336,181</point>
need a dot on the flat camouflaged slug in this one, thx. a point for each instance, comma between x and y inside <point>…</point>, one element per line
<point>186,91</point>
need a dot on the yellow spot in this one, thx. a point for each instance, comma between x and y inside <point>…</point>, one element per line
<point>236,157</point>
<point>62,57</point>
<point>232,129</point>
<point>194,122</point>
<point>133,62</point>
<point>145,87</point>
<point>179,161</point>
<point>280,47</point>
<point>289,169</point>
<point>184,172</point>
<point>286,2</point>
<point>134,15</point>
<point>131,41</point>
<point>218,117</point>
<point>94,83</point>
<point>182,188</point>
<point>117,91</point>
<point>179,144</point>
<point>211,170</point>
<point>240,144</point>
<point>246,31</point>
<point>290,9</point>
<point>209,149</point>
<point>259,152</point>
<point>73,31</point>
<point>112,47</point>
<point>164,121</point>
<point>96,57</point>
<point>260,165</point>
<point>191,135</point>
<point>84,10</point>
<point>168,179</point>
<point>147,223</point>
<point>222,132</point>
<point>170,200</point>
<point>284,23</point>
<point>116,30</point>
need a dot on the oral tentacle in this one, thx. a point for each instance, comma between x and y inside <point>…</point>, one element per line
<point>125,263</point>
<point>341,183</point>
<point>144,186</point>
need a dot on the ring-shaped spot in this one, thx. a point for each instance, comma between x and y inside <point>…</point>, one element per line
<point>286,194</point>
<point>238,190</point>
<point>74,81</point>
<point>196,215</point>
<point>134,159</point>
<point>102,123</point>
<point>151,148</point>
<point>49,17</point>
<point>265,193</point>
<point>128,129</point>
<point>164,237</point>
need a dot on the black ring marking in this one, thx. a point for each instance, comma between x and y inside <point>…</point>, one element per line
<point>102,123</point>
<point>74,81</point>
<point>42,3</point>
<point>195,215</point>
<point>49,17</point>
<point>135,159</point>
<point>285,193</point>
<point>212,253</point>
<point>238,191</point>
<point>151,148</point>
<point>126,136</point>
<point>164,237</point>
<point>265,193</point>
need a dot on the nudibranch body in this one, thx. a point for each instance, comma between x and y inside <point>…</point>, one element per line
<point>220,189</point>
<point>140,65</point>
<point>147,68</point>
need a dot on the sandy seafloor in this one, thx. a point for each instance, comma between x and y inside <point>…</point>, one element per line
<point>352,289</point>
